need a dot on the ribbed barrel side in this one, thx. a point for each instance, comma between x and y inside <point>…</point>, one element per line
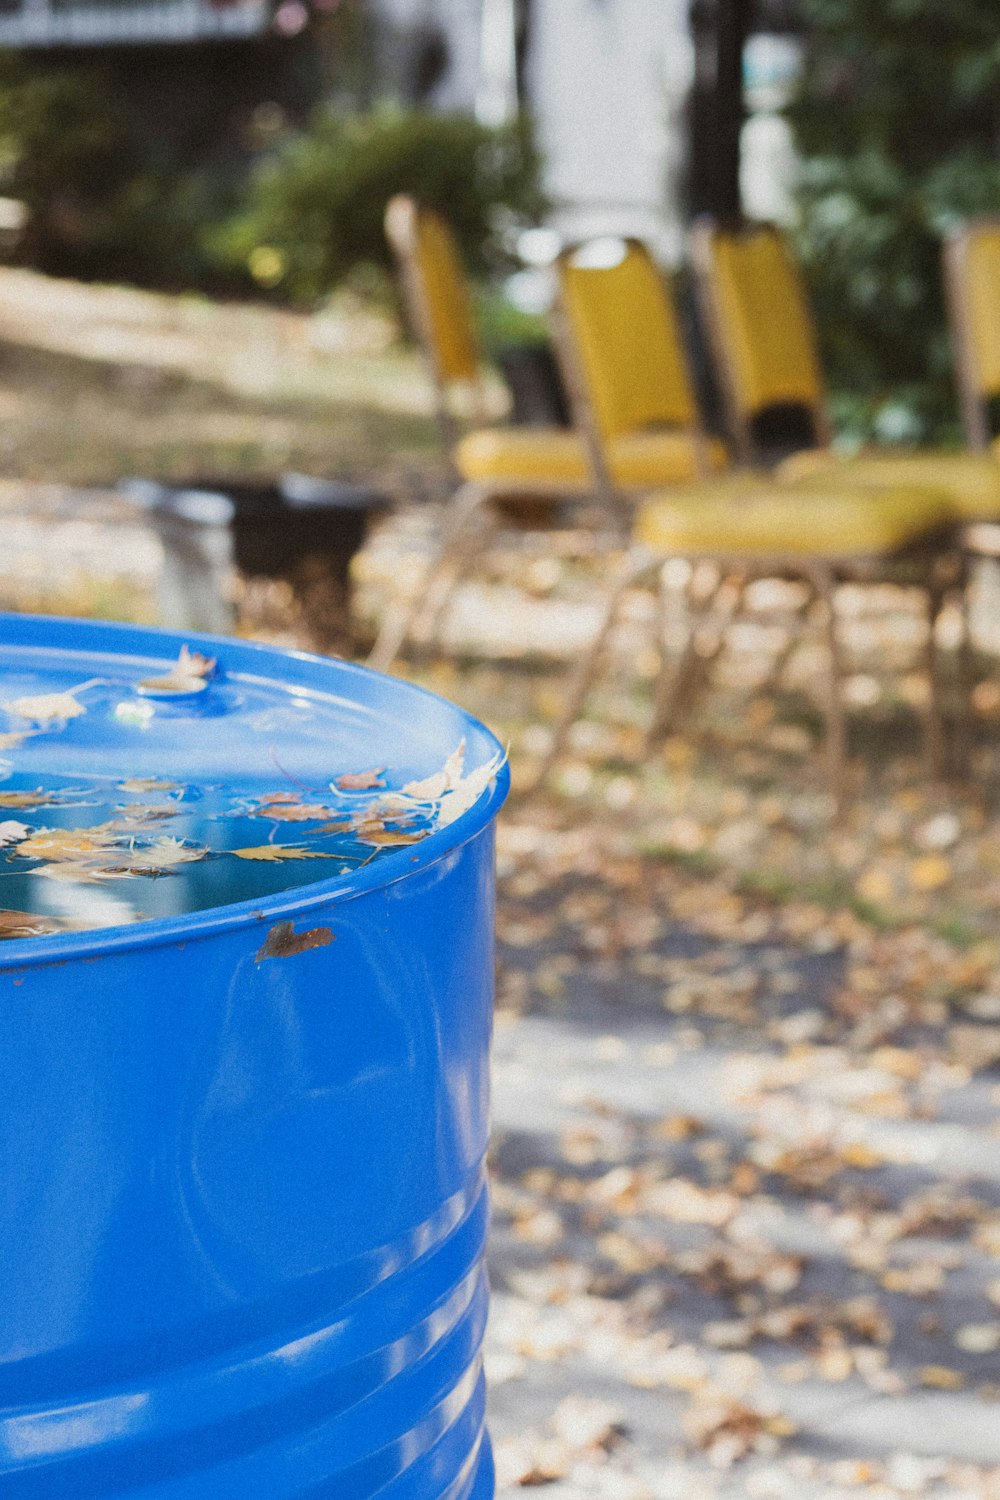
<point>243,1208</point>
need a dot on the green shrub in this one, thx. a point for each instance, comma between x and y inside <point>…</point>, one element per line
<point>315,207</point>
<point>897,122</point>
<point>104,199</point>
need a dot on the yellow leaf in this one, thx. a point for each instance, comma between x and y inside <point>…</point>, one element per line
<point>67,843</point>
<point>857,1154</point>
<point>941,1378</point>
<point>292,812</point>
<point>278,852</point>
<point>929,872</point>
<point>390,836</point>
<point>876,886</point>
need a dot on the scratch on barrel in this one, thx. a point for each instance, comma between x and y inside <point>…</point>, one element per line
<point>283,941</point>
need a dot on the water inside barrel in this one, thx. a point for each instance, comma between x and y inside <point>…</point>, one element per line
<point>122,801</point>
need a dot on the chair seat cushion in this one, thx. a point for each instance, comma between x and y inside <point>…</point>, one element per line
<point>553,456</point>
<point>744,515</point>
<point>970,480</point>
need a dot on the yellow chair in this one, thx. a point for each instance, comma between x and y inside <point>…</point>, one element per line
<point>763,337</point>
<point>972,285</point>
<point>544,468</point>
<point>617,335</point>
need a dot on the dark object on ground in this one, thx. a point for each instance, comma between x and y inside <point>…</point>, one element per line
<point>296,528</point>
<point>538,396</point>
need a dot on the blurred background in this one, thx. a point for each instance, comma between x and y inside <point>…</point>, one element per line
<point>747,1175</point>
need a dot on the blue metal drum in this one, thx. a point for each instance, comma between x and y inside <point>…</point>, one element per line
<point>245,1006</point>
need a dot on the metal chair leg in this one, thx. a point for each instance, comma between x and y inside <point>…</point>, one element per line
<point>464,551</point>
<point>933,729</point>
<point>962,743</point>
<point>825,584</point>
<point>637,565</point>
<point>680,689</point>
<point>398,623</point>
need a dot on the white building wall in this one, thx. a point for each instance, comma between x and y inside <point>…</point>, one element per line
<point>607,83</point>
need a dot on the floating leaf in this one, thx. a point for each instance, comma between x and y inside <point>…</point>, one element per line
<point>468,791</point>
<point>104,852</point>
<point>161,856</point>
<point>18,924</point>
<point>391,836</point>
<point>448,779</point>
<point>360,781</point>
<point>46,708</point>
<point>37,798</point>
<point>138,784</point>
<point>187,675</point>
<point>292,812</point>
<point>67,843</point>
<point>15,737</point>
<point>278,851</point>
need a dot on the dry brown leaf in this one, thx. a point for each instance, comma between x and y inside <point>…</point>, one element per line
<point>37,798</point>
<point>18,924</point>
<point>292,812</point>
<point>390,837</point>
<point>278,852</point>
<point>67,843</point>
<point>360,781</point>
<point>586,1423</point>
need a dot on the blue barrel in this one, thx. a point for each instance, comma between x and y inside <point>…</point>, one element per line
<point>245,1010</point>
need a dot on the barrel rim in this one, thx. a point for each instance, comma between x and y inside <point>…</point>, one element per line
<point>297,901</point>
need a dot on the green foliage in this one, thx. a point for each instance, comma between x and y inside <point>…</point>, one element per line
<point>98,204</point>
<point>315,207</point>
<point>898,122</point>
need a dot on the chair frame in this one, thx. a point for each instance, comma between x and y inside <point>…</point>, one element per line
<point>739,418</point>
<point>821,575</point>
<point>471,508</point>
<point>971,396</point>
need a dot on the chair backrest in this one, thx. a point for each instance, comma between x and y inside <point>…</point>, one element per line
<point>972,283</point>
<point>761,329</point>
<point>437,297</point>
<point>620,344</point>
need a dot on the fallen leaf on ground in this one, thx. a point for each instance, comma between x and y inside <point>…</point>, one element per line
<point>941,1378</point>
